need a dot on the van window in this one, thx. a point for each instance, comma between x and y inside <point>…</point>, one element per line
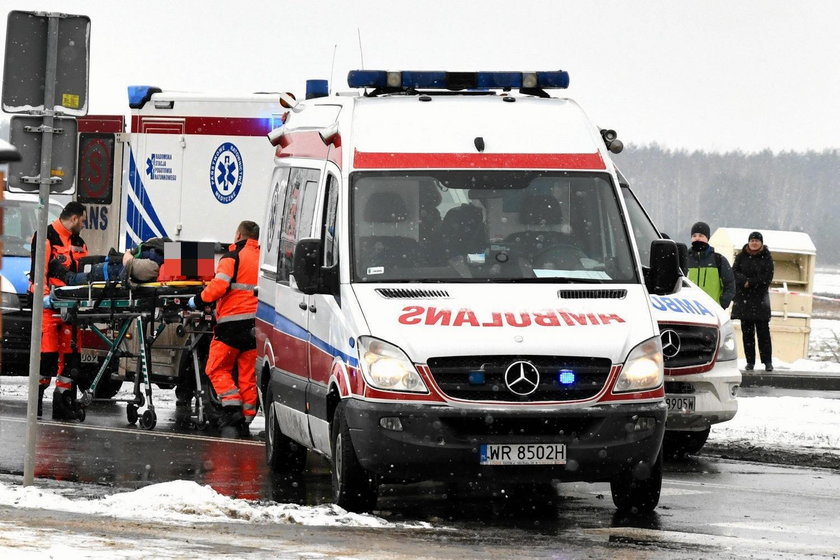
<point>479,226</point>
<point>298,208</point>
<point>20,222</point>
<point>330,218</point>
<point>274,215</point>
<point>643,229</point>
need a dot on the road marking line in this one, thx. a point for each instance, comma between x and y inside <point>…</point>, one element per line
<point>136,431</point>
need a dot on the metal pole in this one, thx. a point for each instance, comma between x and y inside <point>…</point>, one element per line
<point>40,261</point>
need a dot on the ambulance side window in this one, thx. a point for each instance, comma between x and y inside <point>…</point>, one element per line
<point>328,233</point>
<point>273,221</point>
<point>297,217</point>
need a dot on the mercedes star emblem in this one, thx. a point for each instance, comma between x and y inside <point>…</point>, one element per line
<point>670,343</point>
<point>522,378</point>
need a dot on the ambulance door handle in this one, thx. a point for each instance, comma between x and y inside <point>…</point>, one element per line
<point>303,305</point>
<point>313,309</point>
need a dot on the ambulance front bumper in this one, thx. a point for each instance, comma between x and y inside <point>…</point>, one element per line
<point>404,442</point>
<point>712,393</point>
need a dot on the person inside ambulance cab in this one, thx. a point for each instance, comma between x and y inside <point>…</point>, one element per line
<point>234,342</point>
<point>58,351</point>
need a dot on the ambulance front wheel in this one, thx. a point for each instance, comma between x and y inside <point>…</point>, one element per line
<point>354,488</point>
<point>636,490</point>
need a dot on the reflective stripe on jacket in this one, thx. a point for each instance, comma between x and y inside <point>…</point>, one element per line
<point>234,286</point>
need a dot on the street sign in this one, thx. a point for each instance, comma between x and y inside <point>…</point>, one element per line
<point>25,134</point>
<point>25,64</point>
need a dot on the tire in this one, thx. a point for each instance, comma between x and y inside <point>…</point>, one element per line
<point>131,413</point>
<point>283,455</point>
<point>354,489</point>
<point>678,444</point>
<point>149,420</point>
<point>637,490</point>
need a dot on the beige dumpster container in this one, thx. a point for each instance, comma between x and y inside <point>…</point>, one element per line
<point>791,292</point>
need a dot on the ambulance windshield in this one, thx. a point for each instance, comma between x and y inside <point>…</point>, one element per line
<point>480,226</point>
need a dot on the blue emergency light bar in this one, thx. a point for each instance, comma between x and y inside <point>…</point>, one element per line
<point>410,79</point>
<point>140,95</point>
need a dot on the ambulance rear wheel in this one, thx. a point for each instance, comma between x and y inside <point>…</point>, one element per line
<point>637,490</point>
<point>283,455</point>
<point>354,488</point>
<point>131,413</point>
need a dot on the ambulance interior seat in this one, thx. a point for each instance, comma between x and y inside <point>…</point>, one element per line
<point>462,232</point>
<point>386,216</point>
<point>540,242</point>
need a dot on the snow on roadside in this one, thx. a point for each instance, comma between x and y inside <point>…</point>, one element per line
<point>182,501</point>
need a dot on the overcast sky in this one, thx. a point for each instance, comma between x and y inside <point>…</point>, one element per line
<point>711,75</point>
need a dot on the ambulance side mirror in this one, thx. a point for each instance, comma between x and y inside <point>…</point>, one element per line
<point>665,276</point>
<point>306,264</point>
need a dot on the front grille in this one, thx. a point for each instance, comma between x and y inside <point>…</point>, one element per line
<point>678,388</point>
<point>452,374</point>
<point>697,345</point>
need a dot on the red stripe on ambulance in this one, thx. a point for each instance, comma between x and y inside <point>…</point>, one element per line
<point>221,126</point>
<point>382,160</point>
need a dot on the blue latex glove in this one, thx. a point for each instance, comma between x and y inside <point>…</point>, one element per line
<point>47,302</point>
<point>191,303</point>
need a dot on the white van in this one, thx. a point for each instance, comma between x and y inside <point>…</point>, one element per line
<point>450,289</point>
<point>699,348</point>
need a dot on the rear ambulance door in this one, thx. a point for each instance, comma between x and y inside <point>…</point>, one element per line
<point>291,322</point>
<point>324,310</point>
<point>99,178</point>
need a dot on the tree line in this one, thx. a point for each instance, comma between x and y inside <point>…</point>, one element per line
<point>790,191</point>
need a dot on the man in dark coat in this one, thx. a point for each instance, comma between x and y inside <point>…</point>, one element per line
<point>753,270</point>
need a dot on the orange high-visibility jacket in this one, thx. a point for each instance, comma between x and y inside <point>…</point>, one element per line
<point>60,242</point>
<point>234,286</point>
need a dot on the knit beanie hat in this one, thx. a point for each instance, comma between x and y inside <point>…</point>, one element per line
<point>702,227</point>
<point>756,235</point>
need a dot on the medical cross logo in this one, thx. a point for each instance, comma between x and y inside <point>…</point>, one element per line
<point>226,173</point>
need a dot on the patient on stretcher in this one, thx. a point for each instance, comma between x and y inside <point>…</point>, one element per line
<point>140,264</point>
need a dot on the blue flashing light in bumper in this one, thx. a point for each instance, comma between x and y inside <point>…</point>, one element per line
<point>566,377</point>
<point>412,79</point>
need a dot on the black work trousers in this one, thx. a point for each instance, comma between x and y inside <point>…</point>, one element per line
<point>765,348</point>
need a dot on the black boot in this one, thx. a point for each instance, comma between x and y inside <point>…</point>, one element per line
<point>231,422</point>
<point>183,414</point>
<point>65,408</point>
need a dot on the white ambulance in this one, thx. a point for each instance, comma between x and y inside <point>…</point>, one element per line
<point>699,349</point>
<point>451,289</point>
<point>191,167</point>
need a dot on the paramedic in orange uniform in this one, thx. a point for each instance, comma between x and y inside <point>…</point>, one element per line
<point>234,291</point>
<point>63,249</point>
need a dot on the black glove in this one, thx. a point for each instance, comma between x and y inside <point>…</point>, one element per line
<point>56,268</point>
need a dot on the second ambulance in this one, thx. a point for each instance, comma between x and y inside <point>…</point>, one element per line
<point>451,289</point>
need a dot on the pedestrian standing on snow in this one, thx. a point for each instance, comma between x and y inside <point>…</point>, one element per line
<point>753,270</point>
<point>708,269</point>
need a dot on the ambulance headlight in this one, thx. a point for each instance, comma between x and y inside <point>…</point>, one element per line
<point>728,348</point>
<point>643,369</point>
<point>386,367</point>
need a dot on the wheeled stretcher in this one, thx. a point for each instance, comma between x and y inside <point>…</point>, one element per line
<point>149,308</point>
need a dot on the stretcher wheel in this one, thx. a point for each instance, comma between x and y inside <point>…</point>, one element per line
<point>148,420</point>
<point>86,398</point>
<point>80,414</point>
<point>131,413</point>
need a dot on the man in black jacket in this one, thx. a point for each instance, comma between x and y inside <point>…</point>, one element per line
<point>753,270</point>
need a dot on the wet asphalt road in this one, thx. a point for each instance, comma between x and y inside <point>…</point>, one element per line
<point>709,507</point>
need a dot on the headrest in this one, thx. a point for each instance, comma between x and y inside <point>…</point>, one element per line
<point>385,207</point>
<point>540,210</point>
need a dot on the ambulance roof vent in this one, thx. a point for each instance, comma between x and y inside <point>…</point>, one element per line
<point>409,293</point>
<point>592,294</point>
<point>409,81</point>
